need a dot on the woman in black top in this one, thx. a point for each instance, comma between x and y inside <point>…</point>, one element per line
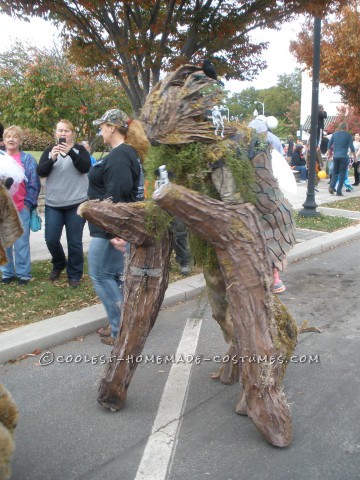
<point>117,178</point>
<point>298,162</point>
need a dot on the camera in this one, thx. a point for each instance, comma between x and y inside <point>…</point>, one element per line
<point>60,141</point>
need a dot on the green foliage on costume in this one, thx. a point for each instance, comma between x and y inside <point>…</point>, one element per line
<point>186,165</point>
<point>243,172</point>
<point>157,221</point>
<point>190,166</point>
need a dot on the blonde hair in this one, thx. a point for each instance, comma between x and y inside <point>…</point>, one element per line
<point>67,123</point>
<point>17,130</point>
<point>136,137</point>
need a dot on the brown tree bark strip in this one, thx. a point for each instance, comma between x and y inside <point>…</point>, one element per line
<point>236,234</point>
<point>125,220</point>
<point>143,294</point>
<point>229,372</point>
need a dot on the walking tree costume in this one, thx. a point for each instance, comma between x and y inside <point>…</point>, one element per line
<point>243,227</point>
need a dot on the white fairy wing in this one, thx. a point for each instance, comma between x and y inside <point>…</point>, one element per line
<point>10,168</point>
<point>283,173</point>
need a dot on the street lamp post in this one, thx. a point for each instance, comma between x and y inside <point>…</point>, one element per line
<point>310,205</point>
<point>223,107</point>
<point>263,105</point>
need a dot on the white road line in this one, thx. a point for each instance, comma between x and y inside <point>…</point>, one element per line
<point>158,450</point>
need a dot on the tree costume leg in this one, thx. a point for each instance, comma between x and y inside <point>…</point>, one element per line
<point>145,284</point>
<point>236,234</point>
<point>228,373</point>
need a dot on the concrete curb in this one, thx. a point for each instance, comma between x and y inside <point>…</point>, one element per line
<point>54,331</point>
<point>323,243</point>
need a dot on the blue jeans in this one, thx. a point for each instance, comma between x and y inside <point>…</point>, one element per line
<point>339,173</point>
<point>106,266</point>
<point>303,171</point>
<point>55,220</point>
<point>21,249</point>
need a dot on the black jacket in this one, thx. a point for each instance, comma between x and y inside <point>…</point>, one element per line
<point>116,177</point>
<point>297,160</point>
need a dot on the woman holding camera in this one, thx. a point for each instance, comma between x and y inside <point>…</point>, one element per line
<point>65,166</point>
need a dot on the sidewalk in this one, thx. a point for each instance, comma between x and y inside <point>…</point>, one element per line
<point>54,331</point>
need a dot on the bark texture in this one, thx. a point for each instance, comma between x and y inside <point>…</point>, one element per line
<point>229,372</point>
<point>174,109</point>
<point>237,236</point>
<point>146,281</point>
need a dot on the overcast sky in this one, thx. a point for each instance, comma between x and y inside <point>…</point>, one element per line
<point>279,60</point>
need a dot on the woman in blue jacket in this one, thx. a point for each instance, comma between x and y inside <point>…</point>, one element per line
<point>25,199</point>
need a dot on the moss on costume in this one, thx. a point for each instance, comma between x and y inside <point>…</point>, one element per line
<point>191,166</point>
<point>157,221</point>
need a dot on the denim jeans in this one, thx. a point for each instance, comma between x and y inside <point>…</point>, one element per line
<point>21,249</point>
<point>339,173</point>
<point>106,266</point>
<point>303,171</point>
<point>55,220</point>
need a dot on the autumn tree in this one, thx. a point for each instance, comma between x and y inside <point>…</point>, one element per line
<point>349,115</point>
<point>38,87</point>
<point>242,104</point>
<point>292,117</point>
<point>340,61</point>
<point>136,40</point>
<point>278,100</point>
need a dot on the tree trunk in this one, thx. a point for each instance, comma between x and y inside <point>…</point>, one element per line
<point>236,234</point>
<point>146,281</point>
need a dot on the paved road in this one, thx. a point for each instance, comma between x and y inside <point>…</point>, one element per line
<point>63,434</point>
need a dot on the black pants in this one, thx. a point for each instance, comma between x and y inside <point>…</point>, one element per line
<point>181,243</point>
<point>356,173</point>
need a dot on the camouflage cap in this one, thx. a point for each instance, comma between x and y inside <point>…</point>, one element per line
<point>114,116</point>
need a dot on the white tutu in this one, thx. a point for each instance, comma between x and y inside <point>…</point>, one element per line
<point>283,173</point>
<point>10,168</point>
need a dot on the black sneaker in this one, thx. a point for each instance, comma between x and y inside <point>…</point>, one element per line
<point>340,194</point>
<point>24,281</point>
<point>74,283</point>
<point>54,275</point>
<point>8,280</point>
